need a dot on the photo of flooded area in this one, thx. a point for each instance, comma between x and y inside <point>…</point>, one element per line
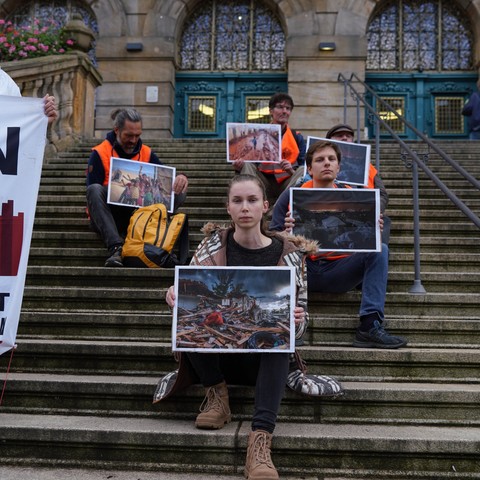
<point>253,142</point>
<point>234,309</point>
<point>343,220</point>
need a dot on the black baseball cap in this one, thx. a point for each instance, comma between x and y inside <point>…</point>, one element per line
<point>341,127</point>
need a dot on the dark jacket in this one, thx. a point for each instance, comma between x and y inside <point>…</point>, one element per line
<point>472,111</point>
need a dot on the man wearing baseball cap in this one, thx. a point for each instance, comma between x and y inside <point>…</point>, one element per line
<point>343,133</point>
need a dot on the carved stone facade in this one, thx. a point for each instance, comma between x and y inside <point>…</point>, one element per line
<point>157,25</point>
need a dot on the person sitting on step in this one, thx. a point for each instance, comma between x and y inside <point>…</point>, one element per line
<point>335,272</point>
<point>246,242</point>
<point>343,133</point>
<point>278,177</point>
<point>111,221</point>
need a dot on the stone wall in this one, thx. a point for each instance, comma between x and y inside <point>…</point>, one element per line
<point>156,25</point>
<point>73,80</point>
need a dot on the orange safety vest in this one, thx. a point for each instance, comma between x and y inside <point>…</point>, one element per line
<point>372,172</point>
<point>290,152</point>
<point>105,151</point>
<point>330,256</point>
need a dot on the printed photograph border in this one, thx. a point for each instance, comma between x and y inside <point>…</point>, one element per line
<point>234,309</point>
<point>355,162</point>
<point>339,219</point>
<point>139,184</point>
<point>254,142</point>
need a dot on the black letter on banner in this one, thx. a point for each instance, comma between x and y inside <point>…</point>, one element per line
<point>9,165</point>
<point>2,325</point>
<point>2,300</point>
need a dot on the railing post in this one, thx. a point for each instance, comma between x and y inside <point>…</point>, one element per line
<point>345,101</point>
<point>417,287</point>
<point>377,144</point>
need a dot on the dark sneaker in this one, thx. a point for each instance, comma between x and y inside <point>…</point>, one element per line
<point>314,385</point>
<point>378,337</point>
<point>115,259</point>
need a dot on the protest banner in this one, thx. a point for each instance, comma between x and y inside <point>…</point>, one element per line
<point>23,126</point>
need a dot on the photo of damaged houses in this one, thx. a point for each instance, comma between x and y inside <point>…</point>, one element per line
<point>234,309</point>
<point>338,219</point>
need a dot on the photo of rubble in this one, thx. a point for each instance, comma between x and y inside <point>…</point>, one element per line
<point>354,164</point>
<point>234,309</point>
<point>340,219</point>
<point>253,142</point>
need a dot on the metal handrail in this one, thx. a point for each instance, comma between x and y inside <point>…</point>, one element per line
<point>455,200</point>
<point>417,163</point>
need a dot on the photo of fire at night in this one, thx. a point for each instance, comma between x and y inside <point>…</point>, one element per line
<point>234,309</point>
<point>252,142</point>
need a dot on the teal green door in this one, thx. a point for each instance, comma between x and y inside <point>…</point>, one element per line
<point>430,102</point>
<point>204,103</point>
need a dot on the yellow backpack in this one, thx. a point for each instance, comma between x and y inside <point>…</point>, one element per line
<point>151,237</point>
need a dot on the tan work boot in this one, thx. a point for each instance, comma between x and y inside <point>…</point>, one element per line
<point>259,465</point>
<point>214,410</point>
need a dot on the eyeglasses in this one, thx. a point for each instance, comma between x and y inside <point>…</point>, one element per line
<point>288,108</point>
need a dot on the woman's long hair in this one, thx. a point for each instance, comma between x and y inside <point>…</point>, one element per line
<point>239,178</point>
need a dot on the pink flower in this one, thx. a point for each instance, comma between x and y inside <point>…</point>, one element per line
<point>70,42</point>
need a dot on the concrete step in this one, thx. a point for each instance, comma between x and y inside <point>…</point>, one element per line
<point>380,402</point>
<point>58,473</point>
<point>435,281</point>
<point>156,444</point>
<point>326,328</point>
<point>152,358</point>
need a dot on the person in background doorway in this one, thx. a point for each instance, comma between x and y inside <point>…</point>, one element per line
<point>472,111</point>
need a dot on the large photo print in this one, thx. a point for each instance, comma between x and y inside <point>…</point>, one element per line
<point>254,142</point>
<point>140,184</point>
<point>355,162</point>
<point>339,219</point>
<point>234,309</point>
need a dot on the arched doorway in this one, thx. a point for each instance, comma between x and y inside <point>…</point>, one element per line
<point>231,59</point>
<point>420,60</point>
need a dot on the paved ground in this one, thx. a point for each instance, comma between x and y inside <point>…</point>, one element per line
<point>17,473</point>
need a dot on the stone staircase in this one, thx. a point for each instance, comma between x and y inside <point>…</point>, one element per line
<point>94,341</point>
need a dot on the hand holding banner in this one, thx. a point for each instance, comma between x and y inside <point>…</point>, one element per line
<point>23,126</point>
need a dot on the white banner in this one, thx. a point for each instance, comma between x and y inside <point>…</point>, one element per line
<point>23,126</point>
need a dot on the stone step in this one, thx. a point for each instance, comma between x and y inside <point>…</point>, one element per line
<point>156,444</point>
<point>95,357</point>
<point>97,276</point>
<point>325,328</point>
<point>373,402</point>
<point>401,261</point>
<point>12,472</point>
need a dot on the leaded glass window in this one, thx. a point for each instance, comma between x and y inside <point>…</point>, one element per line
<point>448,116</point>
<point>202,114</point>
<point>398,103</point>
<point>408,35</point>
<point>232,35</point>
<point>257,110</point>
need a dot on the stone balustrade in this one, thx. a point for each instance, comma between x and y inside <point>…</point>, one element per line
<point>72,79</point>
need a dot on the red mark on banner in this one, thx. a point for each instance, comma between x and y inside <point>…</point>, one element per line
<point>11,239</point>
